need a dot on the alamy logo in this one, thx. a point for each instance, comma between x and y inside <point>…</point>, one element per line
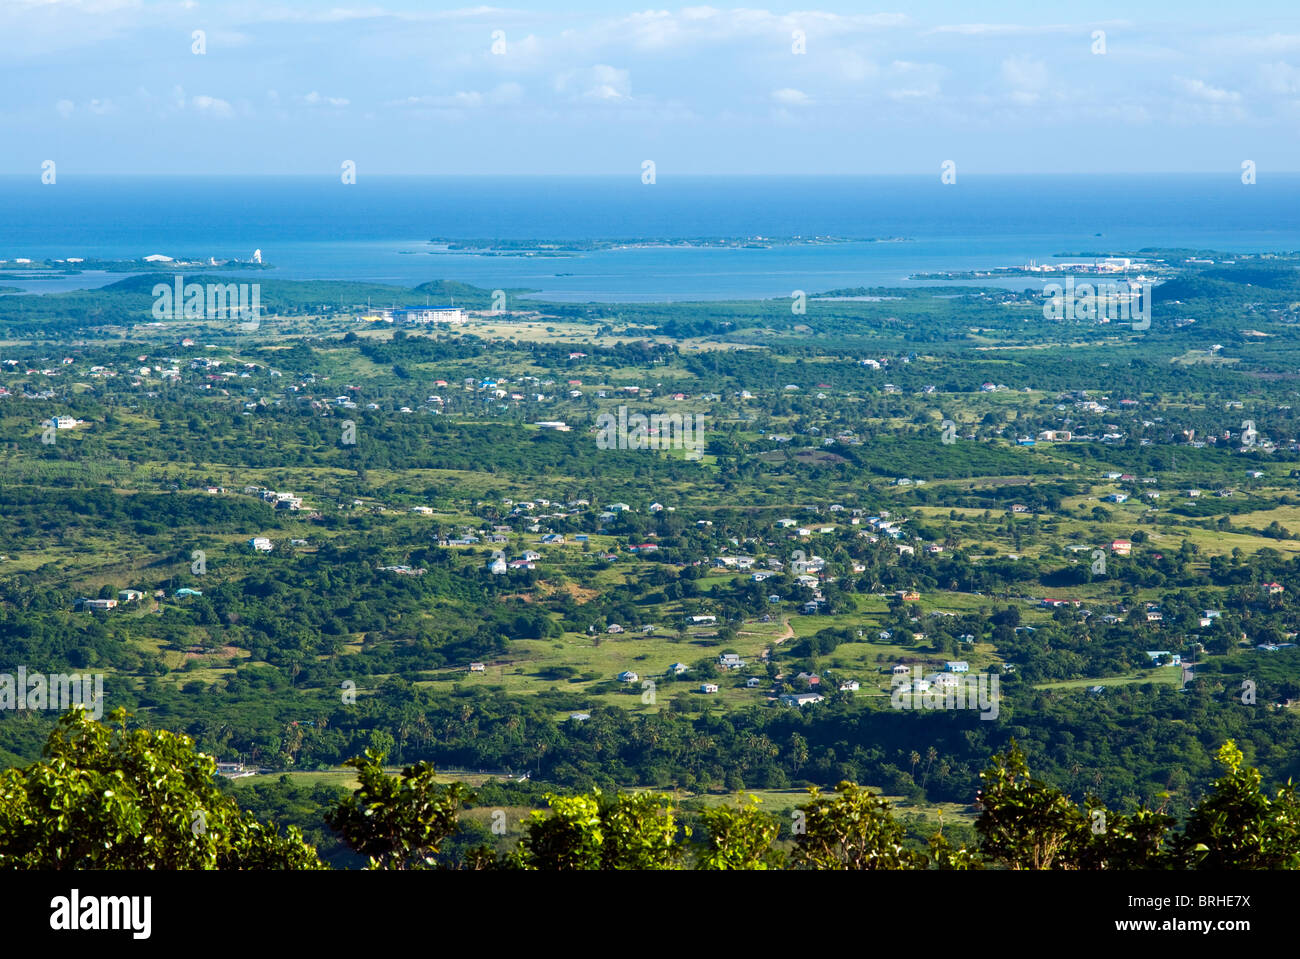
<point>658,431</point>
<point>947,691</point>
<point>102,913</point>
<point>1102,301</point>
<point>206,301</point>
<point>57,691</point>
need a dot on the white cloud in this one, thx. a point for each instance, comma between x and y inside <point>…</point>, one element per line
<point>213,105</point>
<point>677,34</point>
<point>1027,78</point>
<point>79,6</point>
<point>852,67</point>
<point>503,94</point>
<point>1273,43</point>
<point>65,108</point>
<point>1012,29</point>
<point>464,99</point>
<point>1024,73</point>
<point>1201,90</point>
<point>315,99</point>
<point>600,82</point>
<point>911,93</point>
<point>920,81</point>
<point>789,96</point>
<point>1280,78</point>
<point>227,39</point>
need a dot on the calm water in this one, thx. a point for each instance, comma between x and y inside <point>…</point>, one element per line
<point>379,229</point>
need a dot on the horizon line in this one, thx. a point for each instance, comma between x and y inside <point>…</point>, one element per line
<point>1232,172</point>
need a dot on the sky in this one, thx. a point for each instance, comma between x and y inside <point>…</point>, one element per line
<point>586,87</point>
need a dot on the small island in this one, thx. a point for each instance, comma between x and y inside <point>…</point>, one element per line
<point>155,263</point>
<point>568,248</point>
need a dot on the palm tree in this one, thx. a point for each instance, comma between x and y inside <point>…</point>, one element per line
<point>403,734</point>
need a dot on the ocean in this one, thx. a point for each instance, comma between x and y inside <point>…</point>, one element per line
<point>380,228</point>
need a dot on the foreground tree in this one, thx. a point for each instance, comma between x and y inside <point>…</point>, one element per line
<point>1027,824</point>
<point>944,855</point>
<point>738,837</point>
<point>851,830</point>
<point>397,822</point>
<point>105,797</point>
<point>1238,826</point>
<point>594,831</point>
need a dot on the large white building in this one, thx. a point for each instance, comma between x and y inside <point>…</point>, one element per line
<point>419,314</point>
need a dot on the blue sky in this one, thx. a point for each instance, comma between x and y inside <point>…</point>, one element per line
<point>584,87</point>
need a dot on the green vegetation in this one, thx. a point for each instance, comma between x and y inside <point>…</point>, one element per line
<point>915,478</point>
<point>107,798</point>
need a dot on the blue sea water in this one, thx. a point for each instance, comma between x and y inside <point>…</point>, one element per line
<point>379,228</point>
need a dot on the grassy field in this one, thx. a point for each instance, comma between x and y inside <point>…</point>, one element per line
<point>347,778</point>
<point>769,800</point>
<point>773,800</point>
<point>649,656</point>
<point>1168,675</point>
